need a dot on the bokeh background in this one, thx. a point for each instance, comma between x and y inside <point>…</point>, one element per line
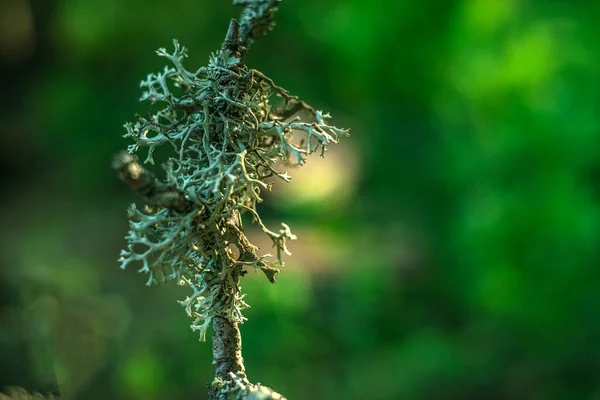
<point>449,249</point>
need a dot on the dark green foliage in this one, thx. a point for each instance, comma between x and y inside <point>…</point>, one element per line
<point>465,247</point>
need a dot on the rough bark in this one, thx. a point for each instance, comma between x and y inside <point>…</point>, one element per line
<point>227,348</point>
<point>153,191</point>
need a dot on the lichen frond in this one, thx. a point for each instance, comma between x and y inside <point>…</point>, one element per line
<point>228,127</point>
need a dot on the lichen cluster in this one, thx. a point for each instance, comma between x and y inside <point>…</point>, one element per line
<point>17,393</point>
<point>238,387</point>
<point>229,128</point>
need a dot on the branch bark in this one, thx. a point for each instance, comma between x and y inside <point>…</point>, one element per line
<point>145,183</point>
<point>227,349</point>
<point>230,374</point>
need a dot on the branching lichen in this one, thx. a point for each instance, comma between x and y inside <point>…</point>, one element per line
<point>227,138</point>
<point>17,393</point>
<point>237,386</point>
<point>229,128</point>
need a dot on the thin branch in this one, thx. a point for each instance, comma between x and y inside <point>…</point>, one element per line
<point>227,349</point>
<point>256,19</point>
<point>145,183</point>
<point>230,376</point>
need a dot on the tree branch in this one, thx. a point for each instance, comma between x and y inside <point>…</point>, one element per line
<point>227,349</point>
<point>145,183</point>
<point>256,19</point>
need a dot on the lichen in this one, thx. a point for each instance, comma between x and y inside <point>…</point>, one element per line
<point>238,387</point>
<point>18,393</point>
<point>229,128</point>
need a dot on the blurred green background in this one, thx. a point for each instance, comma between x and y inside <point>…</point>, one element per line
<point>449,249</point>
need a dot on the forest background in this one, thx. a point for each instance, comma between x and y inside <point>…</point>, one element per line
<point>449,249</point>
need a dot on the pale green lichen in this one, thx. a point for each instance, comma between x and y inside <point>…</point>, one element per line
<point>237,387</point>
<point>17,393</point>
<point>229,128</point>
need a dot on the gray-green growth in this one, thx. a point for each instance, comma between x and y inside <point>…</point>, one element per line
<point>229,128</point>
